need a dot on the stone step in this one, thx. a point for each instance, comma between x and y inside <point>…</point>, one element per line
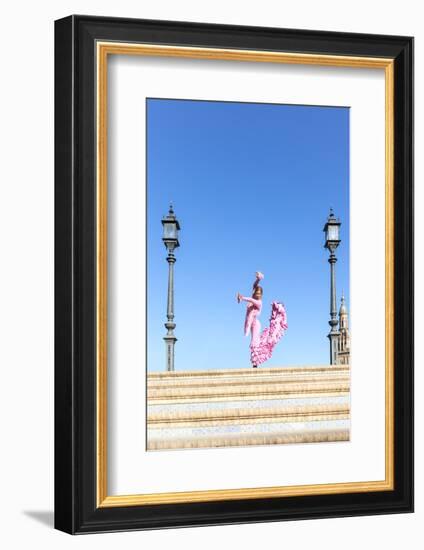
<point>216,417</point>
<point>217,373</point>
<point>244,440</point>
<point>254,404</point>
<point>245,381</point>
<point>311,416</point>
<point>269,391</point>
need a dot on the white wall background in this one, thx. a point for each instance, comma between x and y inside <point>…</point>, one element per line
<point>26,272</point>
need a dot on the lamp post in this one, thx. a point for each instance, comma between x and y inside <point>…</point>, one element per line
<point>332,241</point>
<point>171,227</point>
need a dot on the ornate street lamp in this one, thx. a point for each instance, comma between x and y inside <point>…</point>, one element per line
<point>171,227</point>
<point>332,241</point>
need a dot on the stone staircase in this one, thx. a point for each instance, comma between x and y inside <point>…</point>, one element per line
<point>229,407</point>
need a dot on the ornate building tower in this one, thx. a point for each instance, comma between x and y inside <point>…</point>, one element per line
<point>343,344</point>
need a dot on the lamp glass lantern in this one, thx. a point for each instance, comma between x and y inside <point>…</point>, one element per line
<point>171,227</point>
<point>332,232</point>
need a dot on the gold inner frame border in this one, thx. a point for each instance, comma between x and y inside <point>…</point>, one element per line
<point>103,50</point>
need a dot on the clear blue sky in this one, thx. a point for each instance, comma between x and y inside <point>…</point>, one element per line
<point>251,185</point>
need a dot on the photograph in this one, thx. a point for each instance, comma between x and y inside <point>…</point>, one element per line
<point>248,330</point>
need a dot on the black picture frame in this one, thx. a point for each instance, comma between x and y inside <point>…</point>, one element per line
<point>76,509</point>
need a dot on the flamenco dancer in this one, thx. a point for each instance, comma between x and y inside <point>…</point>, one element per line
<point>262,345</point>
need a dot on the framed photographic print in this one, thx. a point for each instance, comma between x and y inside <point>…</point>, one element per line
<point>234,274</point>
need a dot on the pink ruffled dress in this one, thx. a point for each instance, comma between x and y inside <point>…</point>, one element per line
<point>262,345</point>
